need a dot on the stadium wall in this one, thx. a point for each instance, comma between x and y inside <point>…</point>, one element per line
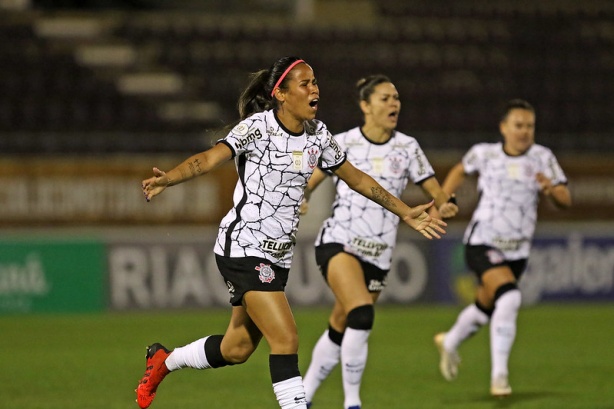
<point>103,190</point>
<point>117,269</point>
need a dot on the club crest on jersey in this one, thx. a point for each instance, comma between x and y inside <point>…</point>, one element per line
<point>266,273</point>
<point>494,256</point>
<point>313,158</point>
<point>395,165</point>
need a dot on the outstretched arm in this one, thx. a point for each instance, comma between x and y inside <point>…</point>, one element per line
<point>415,217</point>
<point>196,165</point>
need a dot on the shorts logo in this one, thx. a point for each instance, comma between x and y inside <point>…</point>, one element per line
<point>376,285</point>
<point>494,256</point>
<point>231,288</point>
<point>266,273</point>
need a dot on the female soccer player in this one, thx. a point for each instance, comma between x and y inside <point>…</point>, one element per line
<point>354,246</point>
<point>276,147</point>
<point>512,174</point>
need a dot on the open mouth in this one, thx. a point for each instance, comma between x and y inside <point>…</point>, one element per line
<point>314,102</point>
<point>393,115</point>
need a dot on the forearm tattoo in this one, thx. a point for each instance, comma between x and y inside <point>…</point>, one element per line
<point>194,166</point>
<point>382,197</point>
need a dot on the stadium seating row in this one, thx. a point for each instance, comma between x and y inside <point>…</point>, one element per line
<point>453,66</point>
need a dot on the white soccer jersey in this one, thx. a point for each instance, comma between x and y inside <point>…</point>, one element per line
<point>366,229</point>
<point>506,213</point>
<point>274,166</point>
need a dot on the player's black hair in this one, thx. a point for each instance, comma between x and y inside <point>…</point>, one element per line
<point>366,86</point>
<point>257,95</point>
<point>516,104</point>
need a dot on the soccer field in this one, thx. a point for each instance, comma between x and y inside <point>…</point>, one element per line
<point>562,359</point>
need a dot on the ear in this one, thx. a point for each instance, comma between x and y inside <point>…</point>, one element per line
<point>365,107</point>
<point>279,95</point>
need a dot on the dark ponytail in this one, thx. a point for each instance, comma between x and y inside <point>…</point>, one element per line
<point>257,96</point>
<point>366,86</point>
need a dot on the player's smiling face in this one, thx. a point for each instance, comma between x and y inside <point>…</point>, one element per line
<point>383,106</point>
<point>518,130</point>
<point>299,101</point>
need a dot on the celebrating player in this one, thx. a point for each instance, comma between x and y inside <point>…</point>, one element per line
<point>276,147</point>
<point>354,246</point>
<point>497,241</point>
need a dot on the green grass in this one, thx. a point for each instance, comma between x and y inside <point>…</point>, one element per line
<point>562,359</point>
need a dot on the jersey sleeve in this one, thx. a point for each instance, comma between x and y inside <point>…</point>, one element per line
<point>553,170</point>
<point>242,138</point>
<point>333,155</point>
<point>420,168</point>
<point>472,159</point>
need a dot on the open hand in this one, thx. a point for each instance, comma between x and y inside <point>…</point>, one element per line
<point>419,220</point>
<point>154,185</point>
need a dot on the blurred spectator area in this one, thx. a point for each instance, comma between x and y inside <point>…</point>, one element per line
<point>76,77</point>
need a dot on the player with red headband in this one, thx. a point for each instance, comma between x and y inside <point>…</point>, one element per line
<point>276,146</point>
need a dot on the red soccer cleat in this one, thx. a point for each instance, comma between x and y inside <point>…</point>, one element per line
<point>155,371</point>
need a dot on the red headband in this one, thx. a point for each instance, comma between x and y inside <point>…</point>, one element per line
<point>284,75</point>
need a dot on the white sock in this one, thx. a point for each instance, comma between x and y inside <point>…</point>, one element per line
<point>325,356</point>
<point>189,356</point>
<point>354,351</point>
<point>469,321</point>
<point>503,331</point>
<point>290,393</point>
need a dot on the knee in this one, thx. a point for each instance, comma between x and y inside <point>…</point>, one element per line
<point>284,342</point>
<point>509,291</point>
<point>361,317</point>
<point>338,319</point>
<point>508,299</point>
<point>238,353</point>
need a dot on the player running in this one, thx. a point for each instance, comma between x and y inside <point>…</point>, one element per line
<point>512,175</point>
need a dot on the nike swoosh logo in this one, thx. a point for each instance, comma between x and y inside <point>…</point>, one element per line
<point>278,155</point>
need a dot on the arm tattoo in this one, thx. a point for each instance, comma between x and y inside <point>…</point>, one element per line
<point>197,165</point>
<point>382,197</point>
<point>192,170</point>
<point>195,169</point>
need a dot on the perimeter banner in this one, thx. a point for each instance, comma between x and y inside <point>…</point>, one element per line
<point>184,274</point>
<point>574,266</point>
<point>52,276</point>
<point>126,269</point>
